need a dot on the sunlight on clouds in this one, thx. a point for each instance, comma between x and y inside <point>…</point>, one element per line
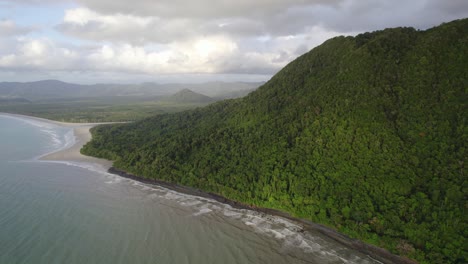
<point>204,47</point>
<point>79,16</point>
<point>200,55</point>
<point>207,47</point>
<point>34,48</point>
<point>7,60</point>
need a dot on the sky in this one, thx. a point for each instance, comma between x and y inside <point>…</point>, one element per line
<point>123,41</point>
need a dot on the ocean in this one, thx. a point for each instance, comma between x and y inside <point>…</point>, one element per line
<point>68,212</point>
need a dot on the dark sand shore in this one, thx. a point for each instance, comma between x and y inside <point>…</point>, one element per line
<point>377,253</point>
<point>82,136</point>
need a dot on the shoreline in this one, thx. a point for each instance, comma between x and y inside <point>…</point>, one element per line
<point>82,136</point>
<point>72,153</point>
<point>377,253</point>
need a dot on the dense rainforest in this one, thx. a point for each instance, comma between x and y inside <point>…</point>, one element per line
<point>364,134</point>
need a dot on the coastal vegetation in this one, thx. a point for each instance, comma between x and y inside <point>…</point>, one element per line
<point>364,134</point>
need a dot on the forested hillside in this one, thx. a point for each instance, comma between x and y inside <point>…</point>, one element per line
<point>365,134</point>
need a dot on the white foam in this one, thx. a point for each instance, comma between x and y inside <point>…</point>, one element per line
<point>59,140</point>
<point>113,180</point>
<point>191,203</point>
<point>88,166</point>
<point>49,129</point>
<point>203,211</point>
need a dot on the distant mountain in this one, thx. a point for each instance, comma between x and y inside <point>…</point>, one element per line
<point>53,89</point>
<point>40,89</point>
<point>188,96</point>
<point>365,134</point>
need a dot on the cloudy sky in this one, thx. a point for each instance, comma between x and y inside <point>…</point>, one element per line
<point>88,41</point>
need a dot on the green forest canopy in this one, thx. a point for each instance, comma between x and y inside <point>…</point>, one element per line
<point>365,134</point>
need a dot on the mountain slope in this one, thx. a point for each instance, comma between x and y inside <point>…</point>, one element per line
<point>365,134</point>
<point>188,96</point>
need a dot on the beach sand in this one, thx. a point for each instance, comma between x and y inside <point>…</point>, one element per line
<point>71,154</point>
<point>82,136</point>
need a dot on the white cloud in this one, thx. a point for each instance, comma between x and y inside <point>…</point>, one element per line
<point>34,54</point>
<point>195,56</point>
<point>211,54</point>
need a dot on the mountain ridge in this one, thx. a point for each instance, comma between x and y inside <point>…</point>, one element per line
<point>365,134</point>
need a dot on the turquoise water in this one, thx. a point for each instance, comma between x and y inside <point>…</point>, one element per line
<point>75,213</point>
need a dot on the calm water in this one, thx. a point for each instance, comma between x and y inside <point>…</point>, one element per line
<point>75,213</point>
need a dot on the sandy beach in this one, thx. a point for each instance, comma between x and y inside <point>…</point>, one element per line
<point>71,154</point>
<point>82,136</point>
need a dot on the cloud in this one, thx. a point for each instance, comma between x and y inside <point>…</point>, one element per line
<point>9,28</point>
<point>165,21</point>
<point>205,9</point>
<point>369,15</point>
<point>276,17</point>
<point>34,54</point>
<point>154,38</point>
<point>86,24</point>
<point>180,45</point>
<point>204,55</point>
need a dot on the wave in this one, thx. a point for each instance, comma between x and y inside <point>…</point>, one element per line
<point>290,234</point>
<point>59,141</point>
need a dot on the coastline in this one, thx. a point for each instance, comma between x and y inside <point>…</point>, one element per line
<point>72,153</point>
<point>377,253</point>
<point>82,136</point>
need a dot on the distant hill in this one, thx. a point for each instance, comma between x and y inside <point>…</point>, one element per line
<point>53,89</point>
<point>365,134</point>
<point>188,96</point>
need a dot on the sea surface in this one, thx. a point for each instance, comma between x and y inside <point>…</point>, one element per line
<point>65,212</point>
